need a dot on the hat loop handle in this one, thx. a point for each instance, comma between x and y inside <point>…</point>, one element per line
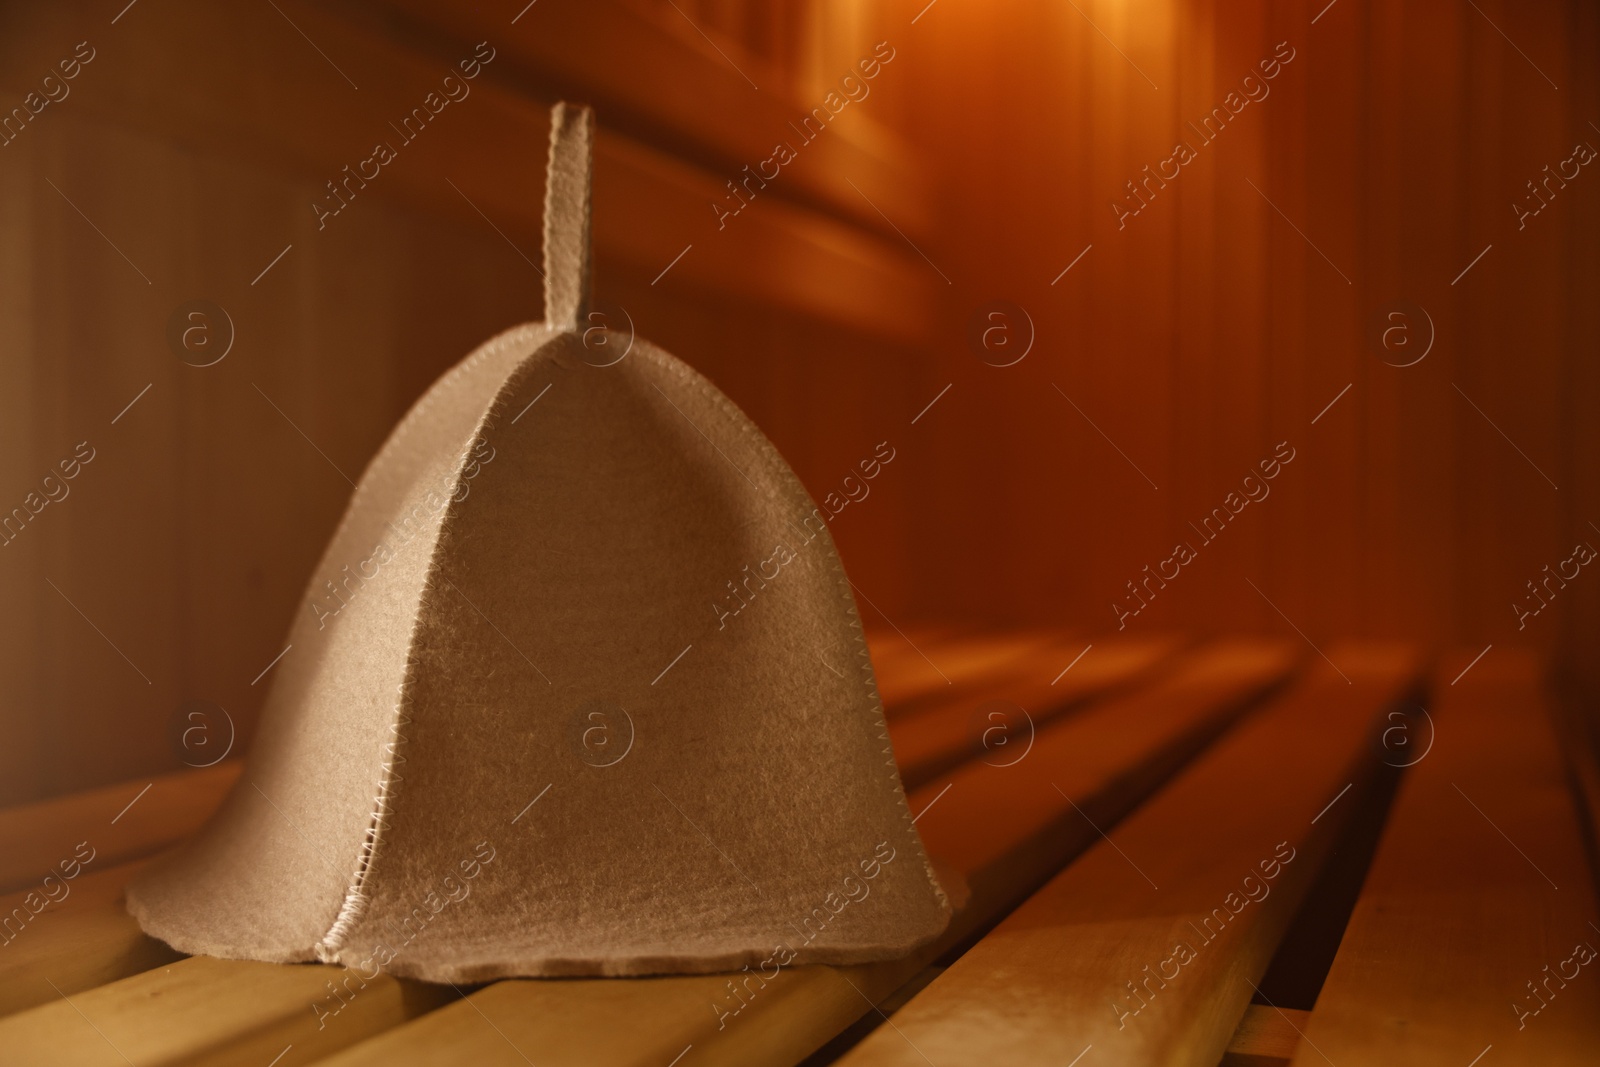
<point>567,216</point>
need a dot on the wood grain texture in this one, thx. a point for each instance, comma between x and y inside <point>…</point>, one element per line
<point>81,939</point>
<point>1479,884</point>
<point>1148,947</point>
<point>216,1012</point>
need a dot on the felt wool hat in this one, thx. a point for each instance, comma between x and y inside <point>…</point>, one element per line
<point>578,688</point>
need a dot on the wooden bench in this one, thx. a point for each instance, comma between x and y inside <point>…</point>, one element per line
<point>1230,852</point>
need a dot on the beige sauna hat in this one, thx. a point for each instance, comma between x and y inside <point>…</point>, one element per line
<point>521,728</point>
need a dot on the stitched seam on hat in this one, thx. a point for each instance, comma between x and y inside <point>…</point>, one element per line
<point>385,457</point>
<point>768,454</point>
<point>356,896</point>
<point>355,901</point>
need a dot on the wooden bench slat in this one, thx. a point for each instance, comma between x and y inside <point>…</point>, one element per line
<point>277,1008</point>
<point>1480,882</point>
<point>1005,826</point>
<point>1108,758</point>
<point>954,667</point>
<point>929,744</point>
<point>89,939</point>
<point>84,940</point>
<point>894,651</point>
<point>900,658</point>
<point>1148,947</point>
<point>95,941</point>
<point>1429,963</point>
<point>100,942</point>
<point>119,822</point>
<point>209,1011</point>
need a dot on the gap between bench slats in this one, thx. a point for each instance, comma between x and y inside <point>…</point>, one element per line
<point>1480,886</point>
<point>1148,947</point>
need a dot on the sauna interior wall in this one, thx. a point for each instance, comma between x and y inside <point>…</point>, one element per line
<point>1386,160</point>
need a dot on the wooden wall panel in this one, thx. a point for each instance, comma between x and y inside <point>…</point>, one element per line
<point>1393,144</point>
<point>1192,338</point>
<point>187,541</point>
<point>1239,357</point>
<point>1580,280</point>
<point>1327,539</point>
<point>27,728</point>
<point>1293,373</point>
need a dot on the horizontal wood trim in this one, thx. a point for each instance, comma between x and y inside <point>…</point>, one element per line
<point>248,104</point>
<point>659,82</point>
